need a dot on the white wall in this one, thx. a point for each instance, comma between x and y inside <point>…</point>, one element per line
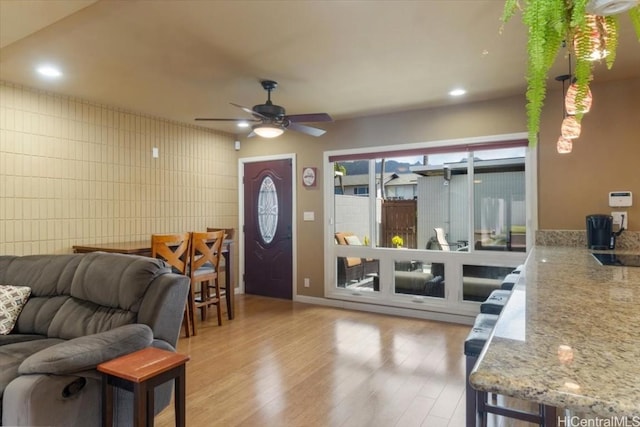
<point>352,214</point>
<point>446,206</point>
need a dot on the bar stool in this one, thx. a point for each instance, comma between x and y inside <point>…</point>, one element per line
<point>509,281</point>
<point>495,302</point>
<point>498,298</point>
<point>229,234</point>
<point>473,346</point>
<point>477,405</point>
<point>174,250</point>
<point>204,264</point>
<point>518,269</point>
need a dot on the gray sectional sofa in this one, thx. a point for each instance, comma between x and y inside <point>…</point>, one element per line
<point>84,309</point>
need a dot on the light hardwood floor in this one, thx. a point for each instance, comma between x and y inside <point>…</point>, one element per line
<point>281,363</point>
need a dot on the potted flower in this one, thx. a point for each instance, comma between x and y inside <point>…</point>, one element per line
<point>397,241</point>
<point>590,30</point>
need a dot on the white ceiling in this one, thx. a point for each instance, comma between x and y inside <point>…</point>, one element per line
<point>187,59</point>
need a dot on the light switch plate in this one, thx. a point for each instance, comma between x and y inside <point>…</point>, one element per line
<point>309,216</point>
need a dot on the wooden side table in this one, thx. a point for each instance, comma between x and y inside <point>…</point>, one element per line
<point>140,372</point>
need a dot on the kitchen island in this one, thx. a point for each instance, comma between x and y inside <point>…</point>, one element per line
<point>568,337</point>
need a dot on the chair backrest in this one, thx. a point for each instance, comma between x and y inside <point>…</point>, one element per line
<point>229,232</point>
<point>442,240</point>
<point>173,249</point>
<point>206,247</point>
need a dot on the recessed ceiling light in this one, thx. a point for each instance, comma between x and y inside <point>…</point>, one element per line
<point>243,124</point>
<point>457,92</point>
<point>49,71</point>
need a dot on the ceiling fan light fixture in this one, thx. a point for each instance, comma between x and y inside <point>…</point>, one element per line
<point>268,130</point>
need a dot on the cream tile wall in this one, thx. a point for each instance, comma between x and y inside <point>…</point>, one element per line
<point>75,172</point>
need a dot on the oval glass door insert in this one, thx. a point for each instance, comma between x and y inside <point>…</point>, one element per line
<point>267,209</point>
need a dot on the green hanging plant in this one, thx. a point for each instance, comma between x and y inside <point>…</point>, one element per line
<point>552,22</point>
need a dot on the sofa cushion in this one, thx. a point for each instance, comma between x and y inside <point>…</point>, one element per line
<point>49,278</point>
<point>353,240</point>
<point>12,355</point>
<point>115,280</point>
<point>46,275</point>
<point>353,261</point>
<point>87,352</point>
<point>479,288</point>
<point>77,318</point>
<point>341,237</point>
<point>13,338</point>
<point>38,313</point>
<point>12,300</point>
<point>411,282</point>
<point>106,293</point>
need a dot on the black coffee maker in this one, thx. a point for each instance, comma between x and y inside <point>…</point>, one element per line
<point>600,233</point>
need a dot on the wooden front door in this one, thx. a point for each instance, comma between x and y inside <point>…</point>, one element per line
<point>268,236</point>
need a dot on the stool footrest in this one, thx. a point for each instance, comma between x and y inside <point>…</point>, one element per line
<point>536,418</point>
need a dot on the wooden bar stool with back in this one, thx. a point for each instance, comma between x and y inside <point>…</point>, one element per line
<point>174,250</point>
<point>229,234</point>
<point>204,265</point>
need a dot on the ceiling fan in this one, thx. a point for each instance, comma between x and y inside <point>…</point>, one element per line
<point>271,120</point>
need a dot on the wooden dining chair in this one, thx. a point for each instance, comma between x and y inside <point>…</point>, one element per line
<point>174,250</point>
<point>204,265</point>
<point>229,234</point>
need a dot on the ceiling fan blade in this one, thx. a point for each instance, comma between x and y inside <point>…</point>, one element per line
<point>208,119</point>
<point>249,110</point>
<point>306,129</point>
<point>312,117</point>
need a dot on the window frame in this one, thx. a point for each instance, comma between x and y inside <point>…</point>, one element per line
<point>453,302</point>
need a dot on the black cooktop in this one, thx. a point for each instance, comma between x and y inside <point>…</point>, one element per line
<point>618,260</point>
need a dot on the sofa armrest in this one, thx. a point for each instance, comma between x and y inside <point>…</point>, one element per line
<point>163,306</point>
<point>87,352</point>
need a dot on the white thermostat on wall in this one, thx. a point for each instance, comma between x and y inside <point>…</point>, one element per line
<point>620,199</point>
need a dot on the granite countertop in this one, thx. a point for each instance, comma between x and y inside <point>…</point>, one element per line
<point>570,337</point>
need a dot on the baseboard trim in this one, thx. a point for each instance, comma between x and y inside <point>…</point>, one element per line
<point>383,309</point>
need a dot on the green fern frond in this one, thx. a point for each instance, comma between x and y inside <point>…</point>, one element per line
<point>634,14</point>
<point>559,16</point>
<point>578,14</point>
<point>583,74</point>
<point>535,17</point>
<point>536,92</point>
<point>610,39</point>
<point>550,22</point>
<point>554,43</point>
<point>547,22</point>
<point>582,44</point>
<point>510,7</point>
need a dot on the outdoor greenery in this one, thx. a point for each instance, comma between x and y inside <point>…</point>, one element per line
<point>551,23</point>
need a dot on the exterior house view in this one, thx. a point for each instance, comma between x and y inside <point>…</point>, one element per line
<point>379,253</point>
